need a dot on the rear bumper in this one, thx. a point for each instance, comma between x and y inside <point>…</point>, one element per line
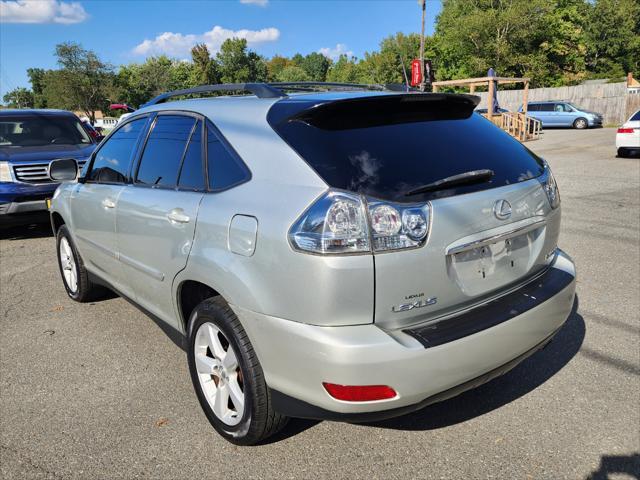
<point>297,358</point>
<point>628,140</point>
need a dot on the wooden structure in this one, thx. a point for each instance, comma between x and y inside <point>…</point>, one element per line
<point>517,124</point>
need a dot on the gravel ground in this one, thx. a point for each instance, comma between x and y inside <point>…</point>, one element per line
<point>98,391</point>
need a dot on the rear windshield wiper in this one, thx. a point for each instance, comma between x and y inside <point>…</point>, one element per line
<point>466,178</point>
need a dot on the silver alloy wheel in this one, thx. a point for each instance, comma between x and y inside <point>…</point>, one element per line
<point>69,267</point>
<point>219,374</point>
<point>581,123</point>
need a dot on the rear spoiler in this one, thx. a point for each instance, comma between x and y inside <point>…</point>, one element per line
<point>377,110</point>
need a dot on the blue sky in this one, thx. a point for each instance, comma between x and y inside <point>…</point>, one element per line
<point>127,31</point>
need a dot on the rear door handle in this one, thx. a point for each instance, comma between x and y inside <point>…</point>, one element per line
<point>177,215</point>
<point>108,203</point>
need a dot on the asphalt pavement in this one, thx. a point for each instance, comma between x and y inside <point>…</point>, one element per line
<point>97,391</point>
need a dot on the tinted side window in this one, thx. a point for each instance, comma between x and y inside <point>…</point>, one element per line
<point>546,107</point>
<point>191,174</point>
<point>225,168</point>
<point>534,107</point>
<point>112,160</point>
<point>163,152</point>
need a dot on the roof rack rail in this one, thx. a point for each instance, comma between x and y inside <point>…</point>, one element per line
<point>307,86</point>
<point>304,86</point>
<point>276,89</point>
<point>260,90</point>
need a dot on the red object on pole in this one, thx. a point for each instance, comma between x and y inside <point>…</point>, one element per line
<point>416,73</point>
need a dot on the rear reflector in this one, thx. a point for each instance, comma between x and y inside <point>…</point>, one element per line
<point>359,393</point>
<point>625,130</point>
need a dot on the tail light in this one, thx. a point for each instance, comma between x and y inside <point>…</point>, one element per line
<point>343,222</point>
<point>359,393</point>
<point>550,186</point>
<point>625,130</point>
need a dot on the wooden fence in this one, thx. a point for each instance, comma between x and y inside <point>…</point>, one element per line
<point>609,99</point>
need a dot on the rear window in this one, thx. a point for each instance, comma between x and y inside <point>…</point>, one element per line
<point>636,116</point>
<point>386,146</point>
<point>38,130</point>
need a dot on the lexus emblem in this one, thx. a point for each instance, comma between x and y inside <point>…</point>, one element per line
<point>502,209</point>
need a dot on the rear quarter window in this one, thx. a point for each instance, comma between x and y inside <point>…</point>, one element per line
<point>225,168</point>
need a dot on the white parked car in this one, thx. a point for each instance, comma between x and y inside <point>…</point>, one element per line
<point>628,136</point>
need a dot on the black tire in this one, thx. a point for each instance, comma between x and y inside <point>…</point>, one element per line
<point>580,123</point>
<point>623,153</point>
<point>258,421</point>
<point>86,290</point>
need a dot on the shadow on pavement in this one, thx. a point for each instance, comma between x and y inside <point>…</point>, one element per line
<point>527,376</point>
<point>617,464</point>
<point>26,226</point>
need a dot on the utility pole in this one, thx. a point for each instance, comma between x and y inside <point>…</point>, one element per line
<point>424,11</point>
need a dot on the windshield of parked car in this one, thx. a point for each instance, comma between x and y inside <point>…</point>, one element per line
<point>385,147</point>
<point>34,130</point>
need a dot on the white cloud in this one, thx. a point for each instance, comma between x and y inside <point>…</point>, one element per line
<point>41,11</point>
<point>261,3</point>
<point>334,53</point>
<point>179,44</point>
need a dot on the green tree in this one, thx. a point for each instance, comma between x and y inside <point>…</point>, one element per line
<point>137,83</point>
<point>613,33</point>
<point>81,83</point>
<point>385,66</point>
<point>19,98</point>
<point>275,65</point>
<point>205,69</point>
<point>535,38</point>
<point>237,64</point>
<point>293,73</point>
<point>566,42</point>
<point>316,66</point>
<point>36,78</point>
<point>344,70</point>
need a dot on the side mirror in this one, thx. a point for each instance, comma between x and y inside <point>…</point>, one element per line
<point>63,170</point>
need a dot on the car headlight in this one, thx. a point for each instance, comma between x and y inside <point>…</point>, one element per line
<point>5,172</point>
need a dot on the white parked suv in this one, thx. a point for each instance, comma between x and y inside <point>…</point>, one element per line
<point>347,255</point>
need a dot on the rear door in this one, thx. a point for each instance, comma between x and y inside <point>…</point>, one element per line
<point>157,213</point>
<point>94,202</point>
<point>547,114</point>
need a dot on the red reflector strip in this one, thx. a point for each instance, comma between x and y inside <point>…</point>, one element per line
<point>359,393</point>
<point>625,130</point>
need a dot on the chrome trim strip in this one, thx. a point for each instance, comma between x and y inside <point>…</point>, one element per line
<point>496,237</point>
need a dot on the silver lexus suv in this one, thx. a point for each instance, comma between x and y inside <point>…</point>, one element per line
<point>343,254</point>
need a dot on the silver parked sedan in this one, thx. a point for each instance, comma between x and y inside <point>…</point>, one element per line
<point>347,255</point>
